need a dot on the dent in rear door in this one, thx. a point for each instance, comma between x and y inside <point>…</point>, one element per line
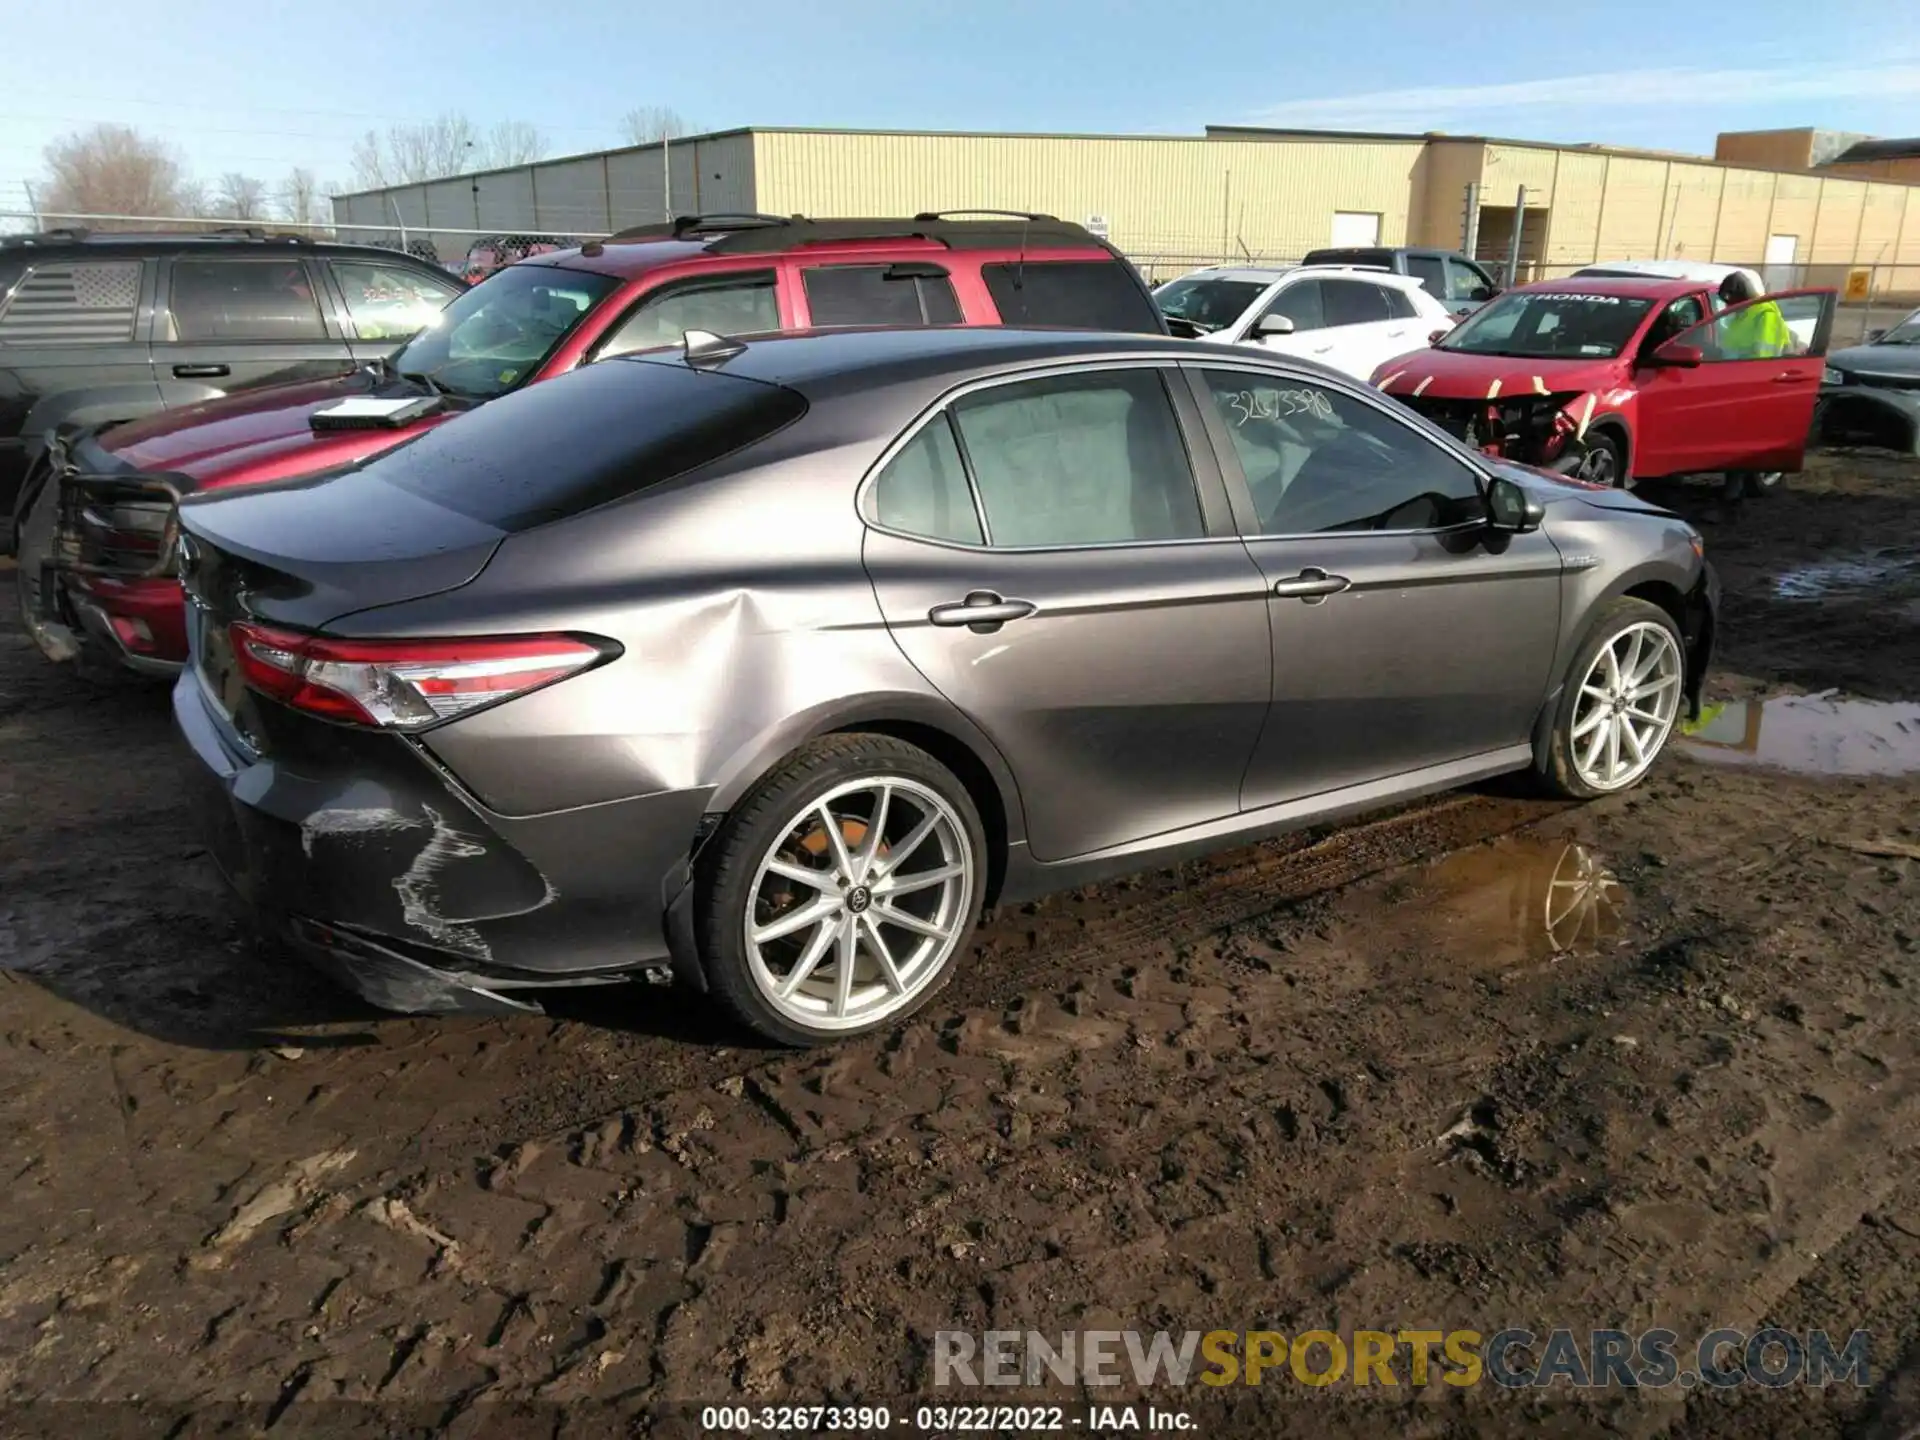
<point>1127,684</point>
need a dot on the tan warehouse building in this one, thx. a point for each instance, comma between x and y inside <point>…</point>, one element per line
<point>1233,194</point>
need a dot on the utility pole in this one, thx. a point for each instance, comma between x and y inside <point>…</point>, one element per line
<point>1519,227</point>
<point>1470,222</point>
<point>666,176</point>
<point>32,204</point>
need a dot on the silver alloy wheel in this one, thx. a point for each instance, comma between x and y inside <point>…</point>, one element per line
<point>1626,707</point>
<point>858,904</point>
<point>1583,900</point>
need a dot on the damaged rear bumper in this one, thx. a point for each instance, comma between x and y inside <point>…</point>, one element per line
<point>367,860</point>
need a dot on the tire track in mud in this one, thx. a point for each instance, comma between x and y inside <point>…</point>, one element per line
<point>1036,946</point>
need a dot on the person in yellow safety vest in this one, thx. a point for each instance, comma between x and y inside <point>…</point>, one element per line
<point>1758,332</point>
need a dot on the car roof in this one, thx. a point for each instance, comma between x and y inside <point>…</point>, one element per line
<point>630,253</point>
<point>1674,269</point>
<point>76,243</point>
<point>819,362</point>
<point>1650,287</point>
<point>1258,274</point>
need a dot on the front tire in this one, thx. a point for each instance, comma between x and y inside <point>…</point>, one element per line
<point>1620,704</point>
<point>841,892</point>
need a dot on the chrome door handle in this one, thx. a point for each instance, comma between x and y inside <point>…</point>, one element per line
<point>982,611</point>
<point>201,372</point>
<point>1791,379</point>
<point>1311,585</point>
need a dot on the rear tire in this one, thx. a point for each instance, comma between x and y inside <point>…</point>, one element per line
<point>811,934</point>
<point>1620,702</point>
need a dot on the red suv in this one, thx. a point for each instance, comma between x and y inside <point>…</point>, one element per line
<point>1614,380</point>
<point>103,534</point>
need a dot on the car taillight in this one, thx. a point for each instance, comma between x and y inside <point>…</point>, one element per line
<point>401,684</point>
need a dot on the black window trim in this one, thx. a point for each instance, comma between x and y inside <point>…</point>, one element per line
<point>710,278</point>
<point>166,328</point>
<point>1210,487</point>
<point>1227,459</point>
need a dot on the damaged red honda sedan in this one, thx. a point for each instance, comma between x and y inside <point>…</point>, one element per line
<point>1617,380</point>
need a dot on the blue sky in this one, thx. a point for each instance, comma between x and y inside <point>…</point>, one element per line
<point>262,87</point>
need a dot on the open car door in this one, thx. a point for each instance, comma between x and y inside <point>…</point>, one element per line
<point>1735,393</point>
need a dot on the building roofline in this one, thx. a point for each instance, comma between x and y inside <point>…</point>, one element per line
<point>1210,133</point>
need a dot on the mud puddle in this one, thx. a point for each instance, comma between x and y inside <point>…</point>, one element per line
<point>1518,901</point>
<point>1847,576</point>
<point>1811,735</point>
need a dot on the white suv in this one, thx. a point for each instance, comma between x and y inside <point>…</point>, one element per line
<point>1346,316</point>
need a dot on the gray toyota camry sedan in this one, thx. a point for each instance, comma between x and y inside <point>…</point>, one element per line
<point>764,666</point>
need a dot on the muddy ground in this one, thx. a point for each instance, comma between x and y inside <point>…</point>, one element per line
<point>1388,1077</point>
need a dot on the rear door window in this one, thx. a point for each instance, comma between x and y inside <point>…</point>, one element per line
<point>740,303</point>
<point>244,300</point>
<point>1354,302</point>
<point>1076,294</point>
<point>1084,459</point>
<point>91,303</point>
<point>904,294</point>
<point>546,452</point>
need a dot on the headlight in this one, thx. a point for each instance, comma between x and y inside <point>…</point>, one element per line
<point>1831,376</point>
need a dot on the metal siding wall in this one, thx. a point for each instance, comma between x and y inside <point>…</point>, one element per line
<point>1444,172</point>
<point>1579,195</point>
<point>1509,167</point>
<point>505,201</point>
<point>1631,210</point>
<point>1276,198</point>
<point>1836,223</point>
<point>1746,201</point>
<point>573,197</point>
<point>1904,278</point>
<point>636,183</point>
<point>1692,211</point>
<point>1880,225</point>
<point>1796,207</point>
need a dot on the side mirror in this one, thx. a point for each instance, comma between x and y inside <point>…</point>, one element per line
<point>1874,337</point>
<point>1481,293</point>
<point>1273,325</point>
<point>1437,336</point>
<point>1510,510</point>
<point>1679,354</point>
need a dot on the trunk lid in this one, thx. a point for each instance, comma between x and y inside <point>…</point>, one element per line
<point>306,552</point>
<point>302,553</point>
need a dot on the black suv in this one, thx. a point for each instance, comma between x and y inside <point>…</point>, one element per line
<point>1460,284</point>
<point>101,328</point>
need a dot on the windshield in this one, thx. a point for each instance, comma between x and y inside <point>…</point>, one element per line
<point>1907,332</point>
<point>1211,304</point>
<point>498,333</point>
<point>1545,325</point>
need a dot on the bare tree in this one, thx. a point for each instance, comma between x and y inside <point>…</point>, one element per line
<point>301,200</point>
<point>450,145</point>
<point>112,170</point>
<point>647,124</point>
<point>240,197</point>
<point>511,142</point>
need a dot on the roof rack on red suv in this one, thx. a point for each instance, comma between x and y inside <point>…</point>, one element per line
<point>751,233</point>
